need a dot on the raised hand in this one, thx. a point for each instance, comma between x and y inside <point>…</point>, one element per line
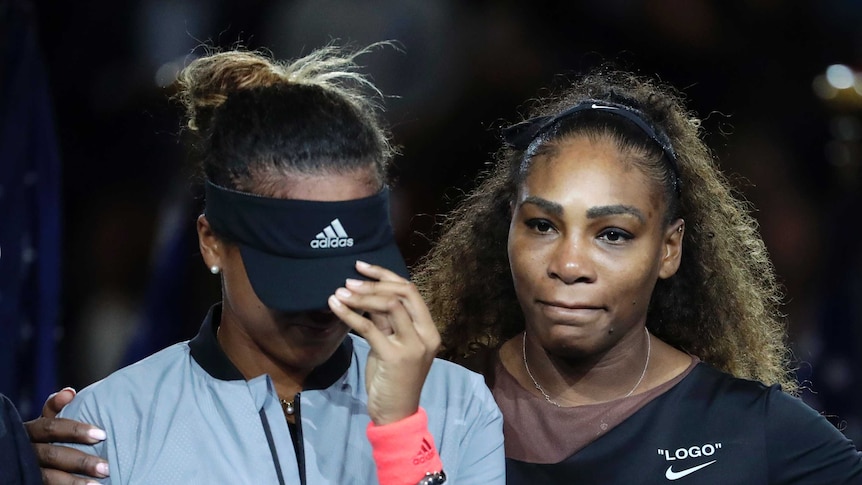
<point>391,315</point>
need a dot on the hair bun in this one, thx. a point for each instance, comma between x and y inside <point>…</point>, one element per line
<point>206,83</point>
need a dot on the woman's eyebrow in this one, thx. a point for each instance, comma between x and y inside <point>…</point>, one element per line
<point>544,204</point>
<point>613,210</point>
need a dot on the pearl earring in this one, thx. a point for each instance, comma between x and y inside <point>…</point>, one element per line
<point>214,269</point>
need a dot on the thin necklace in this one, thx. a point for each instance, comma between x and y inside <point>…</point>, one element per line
<point>287,406</point>
<point>555,403</point>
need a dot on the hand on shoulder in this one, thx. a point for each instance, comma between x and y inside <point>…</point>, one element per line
<point>58,462</point>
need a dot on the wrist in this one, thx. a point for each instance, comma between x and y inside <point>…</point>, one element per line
<point>392,416</point>
<point>404,452</point>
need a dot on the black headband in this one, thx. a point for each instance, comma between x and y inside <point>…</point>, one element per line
<point>522,135</point>
<point>298,252</point>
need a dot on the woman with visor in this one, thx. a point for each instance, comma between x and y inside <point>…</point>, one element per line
<point>274,389</point>
<point>622,306</point>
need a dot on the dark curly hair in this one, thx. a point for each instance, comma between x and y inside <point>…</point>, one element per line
<point>723,303</point>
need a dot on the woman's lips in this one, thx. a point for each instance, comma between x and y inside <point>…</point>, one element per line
<point>569,310</point>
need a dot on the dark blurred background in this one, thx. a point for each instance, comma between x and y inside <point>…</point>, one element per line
<point>777,83</point>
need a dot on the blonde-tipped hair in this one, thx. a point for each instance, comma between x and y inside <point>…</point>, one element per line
<point>283,93</point>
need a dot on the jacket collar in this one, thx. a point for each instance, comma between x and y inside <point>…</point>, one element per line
<point>208,354</point>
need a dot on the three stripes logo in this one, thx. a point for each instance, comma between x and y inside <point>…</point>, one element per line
<point>332,236</point>
<point>426,452</point>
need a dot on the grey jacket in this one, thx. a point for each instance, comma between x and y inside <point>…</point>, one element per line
<point>185,415</point>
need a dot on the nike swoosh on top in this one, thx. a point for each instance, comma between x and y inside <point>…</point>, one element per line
<point>672,475</point>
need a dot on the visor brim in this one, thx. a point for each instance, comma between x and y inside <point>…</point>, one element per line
<point>304,284</point>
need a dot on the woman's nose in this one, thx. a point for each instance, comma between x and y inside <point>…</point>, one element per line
<point>571,262</point>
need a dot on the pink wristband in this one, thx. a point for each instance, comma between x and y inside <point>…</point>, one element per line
<point>404,450</point>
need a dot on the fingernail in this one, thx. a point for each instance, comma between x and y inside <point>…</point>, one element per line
<point>334,301</point>
<point>353,283</point>
<point>69,389</point>
<point>102,468</point>
<point>362,264</point>
<point>97,434</point>
<point>343,293</point>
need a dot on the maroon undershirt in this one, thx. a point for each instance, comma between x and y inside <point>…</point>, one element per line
<point>537,431</point>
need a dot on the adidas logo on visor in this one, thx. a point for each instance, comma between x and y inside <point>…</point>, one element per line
<point>332,236</point>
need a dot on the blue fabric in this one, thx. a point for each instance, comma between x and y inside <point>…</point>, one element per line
<point>177,418</point>
<point>30,229</point>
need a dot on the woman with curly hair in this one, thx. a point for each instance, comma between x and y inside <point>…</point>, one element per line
<point>622,306</point>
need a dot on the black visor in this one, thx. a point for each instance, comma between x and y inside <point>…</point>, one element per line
<point>298,252</point>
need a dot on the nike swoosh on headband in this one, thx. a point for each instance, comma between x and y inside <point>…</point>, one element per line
<point>520,136</point>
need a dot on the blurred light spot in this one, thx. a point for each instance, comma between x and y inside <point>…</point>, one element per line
<point>840,76</point>
<point>837,374</point>
<point>30,178</point>
<point>28,255</point>
<point>25,406</point>
<point>26,331</point>
<point>809,345</point>
<point>822,88</point>
<point>167,74</point>
<point>845,128</point>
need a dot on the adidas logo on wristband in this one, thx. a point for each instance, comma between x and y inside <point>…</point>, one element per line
<point>426,453</point>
